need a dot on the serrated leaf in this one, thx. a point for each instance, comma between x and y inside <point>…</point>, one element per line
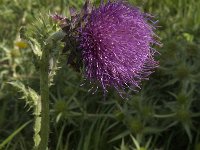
<point>20,86</point>
<point>29,95</point>
<point>36,47</point>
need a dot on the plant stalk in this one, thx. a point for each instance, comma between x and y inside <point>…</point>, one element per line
<point>41,126</point>
<point>44,92</point>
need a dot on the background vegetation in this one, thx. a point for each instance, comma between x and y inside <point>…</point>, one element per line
<point>164,115</point>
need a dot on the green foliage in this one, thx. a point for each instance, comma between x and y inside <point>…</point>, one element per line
<point>165,114</point>
<point>8,139</point>
<point>29,95</point>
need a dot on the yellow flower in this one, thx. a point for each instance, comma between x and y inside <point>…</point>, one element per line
<point>21,44</point>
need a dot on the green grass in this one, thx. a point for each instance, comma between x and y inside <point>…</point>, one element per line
<point>164,115</point>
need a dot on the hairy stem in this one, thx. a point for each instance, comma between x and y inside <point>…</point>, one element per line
<point>37,124</point>
<point>41,127</point>
<point>44,92</point>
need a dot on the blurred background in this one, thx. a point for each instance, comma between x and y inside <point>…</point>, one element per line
<point>164,115</point>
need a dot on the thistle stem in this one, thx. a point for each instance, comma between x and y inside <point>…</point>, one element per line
<point>41,126</point>
<point>44,92</point>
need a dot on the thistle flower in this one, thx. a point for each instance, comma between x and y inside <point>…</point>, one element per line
<point>115,43</point>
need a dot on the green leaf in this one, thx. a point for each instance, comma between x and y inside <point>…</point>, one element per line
<point>36,47</point>
<point>28,94</point>
<point>9,138</point>
<point>120,136</point>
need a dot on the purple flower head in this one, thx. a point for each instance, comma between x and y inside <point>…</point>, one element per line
<point>116,44</point>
